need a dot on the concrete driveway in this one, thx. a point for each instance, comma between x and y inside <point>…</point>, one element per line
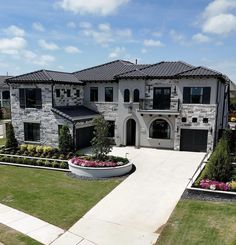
<point>134,211</point>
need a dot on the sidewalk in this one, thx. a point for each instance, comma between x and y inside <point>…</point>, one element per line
<point>29,225</point>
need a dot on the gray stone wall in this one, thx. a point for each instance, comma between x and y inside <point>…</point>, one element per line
<point>73,100</point>
<point>190,111</point>
<point>48,120</point>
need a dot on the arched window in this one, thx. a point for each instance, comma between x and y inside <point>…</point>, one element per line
<point>136,95</point>
<point>126,95</point>
<point>159,129</point>
<point>6,95</point>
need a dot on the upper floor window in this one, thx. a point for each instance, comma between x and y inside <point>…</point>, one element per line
<point>6,95</point>
<point>77,93</point>
<point>136,95</point>
<point>159,129</point>
<point>108,94</point>
<point>126,95</point>
<point>32,132</point>
<point>196,95</point>
<point>58,93</point>
<point>94,94</point>
<point>68,92</point>
<point>30,98</point>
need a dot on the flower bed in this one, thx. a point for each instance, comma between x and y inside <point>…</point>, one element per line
<point>215,185</point>
<point>34,161</point>
<point>91,168</point>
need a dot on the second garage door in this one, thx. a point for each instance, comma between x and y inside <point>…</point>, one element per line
<point>193,140</point>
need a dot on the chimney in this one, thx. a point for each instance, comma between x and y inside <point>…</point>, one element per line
<point>136,61</point>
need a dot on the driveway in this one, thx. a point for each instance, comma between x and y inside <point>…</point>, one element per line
<point>133,213</point>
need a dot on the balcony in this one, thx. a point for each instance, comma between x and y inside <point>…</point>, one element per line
<point>146,106</point>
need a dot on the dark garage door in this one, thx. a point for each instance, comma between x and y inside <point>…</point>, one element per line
<point>83,137</point>
<point>193,140</point>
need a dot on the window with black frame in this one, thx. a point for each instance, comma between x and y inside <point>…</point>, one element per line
<point>30,98</point>
<point>159,129</point>
<point>94,94</point>
<point>108,94</point>
<point>136,95</point>
<point>196,95</point>
<point>32,132</point>
<point>126,95</point>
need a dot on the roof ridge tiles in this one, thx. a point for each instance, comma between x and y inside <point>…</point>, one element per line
<point>90,68</point>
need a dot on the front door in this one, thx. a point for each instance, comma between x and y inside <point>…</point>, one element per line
<point>130,132</point>
<point>84,137</point>
<point>161,98</point>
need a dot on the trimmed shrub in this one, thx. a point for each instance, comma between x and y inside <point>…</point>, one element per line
<point>11,141</point>
<point>39,149</point>
<point>47,149</point>
<point>23,148</point>
<point>48,164</point>
<point>56,164</point>
<point>31,148</point>
<point>64,165</point>
<point>65,140</point>
<point>62,157</point>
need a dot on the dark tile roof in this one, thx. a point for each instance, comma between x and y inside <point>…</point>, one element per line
<point>106,72</point>
<point>75,113</point>
<point>171,70</point>
<point>3,82</point>
<point>45,76</point>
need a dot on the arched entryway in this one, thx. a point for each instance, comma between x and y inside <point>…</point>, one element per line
<point>130,132</point>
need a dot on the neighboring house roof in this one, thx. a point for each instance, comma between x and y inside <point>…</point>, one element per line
<point>75,113</point>
<point>106,72</point>
<point>171,70</point>
<point>45,76</point>
<point>3,85</point>
<point>232,90</point>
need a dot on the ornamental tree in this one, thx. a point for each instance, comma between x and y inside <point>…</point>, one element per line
<point>65,140</point>
<point>10,137</point>
<point>101,143</point>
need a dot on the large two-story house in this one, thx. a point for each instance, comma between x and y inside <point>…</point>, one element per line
<point>170,105</point>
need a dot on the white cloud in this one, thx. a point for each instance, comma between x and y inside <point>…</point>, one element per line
<point>178,37</point>
<point>71,25</point>
<point>47,45</point>
<point>72,49</point>
<point>85,25</point>
<point>42,60</point>
<point>124,33</point>
<point>157,33</point>
<point>101,7</point>
<point>12,45</point>
<point>153,43</point>
<point>218,17</point>
<point>38,26</point>
<point>104,27</point>
<point>117,52</point>
<point>14,31</point>
<point>201,38</point>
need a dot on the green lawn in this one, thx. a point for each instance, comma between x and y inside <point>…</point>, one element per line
<point>49,195</point>
<point>201,222</point>
<point>11,237</point>
<point>2,141</point>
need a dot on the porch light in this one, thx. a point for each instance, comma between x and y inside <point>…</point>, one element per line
<point>211,130</point>
<point>175,92</point>
<point>130,108</point>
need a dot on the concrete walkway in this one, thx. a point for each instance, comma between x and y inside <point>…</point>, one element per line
<point>134,212</point>
<point>29,225</point>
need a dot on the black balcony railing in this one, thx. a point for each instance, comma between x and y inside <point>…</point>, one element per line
<point>147,104</point>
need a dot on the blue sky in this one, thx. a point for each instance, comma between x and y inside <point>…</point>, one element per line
<point>70,35</point>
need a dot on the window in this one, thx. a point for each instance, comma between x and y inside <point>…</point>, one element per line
<point>136,95</point>
<point>58,93</point>
<point>30,98</point>
<point>160,129</point>
<point>184,119</point>
<point>94,94</point>
<point>68,92</point>
<point>32,131</point>
<point>205,120</point>
<point>194,119</point>
<point>161,98</point>
<point>77,93</point>
<point>197,95</point>
<point>111,129</point>
<point>126,95</point>
<point>108,94</point>
<point>6,95</point>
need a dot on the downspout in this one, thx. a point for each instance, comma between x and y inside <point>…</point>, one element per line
<point>217,108</point>
<point>225,93</point>
<point>74,135</point>
<point>52,95</point>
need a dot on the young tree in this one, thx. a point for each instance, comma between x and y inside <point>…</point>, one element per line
<point>10,137</point>
<point>65,140</point>
<point>100,142</point>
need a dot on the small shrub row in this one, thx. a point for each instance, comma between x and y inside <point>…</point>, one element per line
<point>30,161</point>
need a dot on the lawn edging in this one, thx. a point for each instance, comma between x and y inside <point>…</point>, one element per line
<point>34,166</point>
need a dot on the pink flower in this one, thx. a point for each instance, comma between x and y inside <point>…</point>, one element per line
<point>91,163</point>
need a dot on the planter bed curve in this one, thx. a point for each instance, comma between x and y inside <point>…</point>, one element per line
<point>99,172</point>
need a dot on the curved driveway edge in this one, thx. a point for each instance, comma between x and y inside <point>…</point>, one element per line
<point>134,211</point>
